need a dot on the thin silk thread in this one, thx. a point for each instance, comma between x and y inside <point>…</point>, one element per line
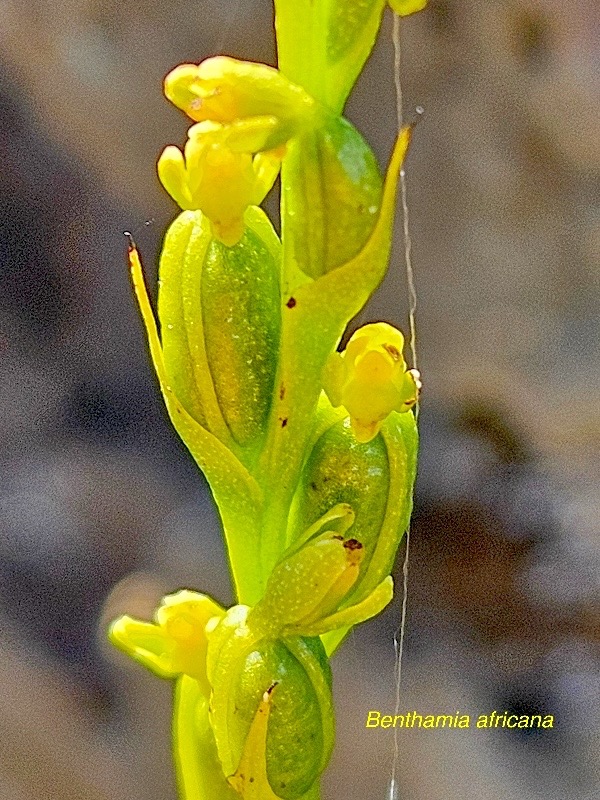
<point>412,307</point>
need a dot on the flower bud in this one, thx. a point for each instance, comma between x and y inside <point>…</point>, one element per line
<point>374,478</point>
<point>309,586</point>
<point>332,194</point>
<point>242,666</point>
<point>341,470</point>
<point>370,379</point>
<point>219,311</point>
<point>310,582</point>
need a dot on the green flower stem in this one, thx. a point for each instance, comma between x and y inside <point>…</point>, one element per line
<point>303,62</point>
<point>314,317</point>
<point>199,774</point>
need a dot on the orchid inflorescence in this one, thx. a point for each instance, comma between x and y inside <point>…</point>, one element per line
<point>310,452</point>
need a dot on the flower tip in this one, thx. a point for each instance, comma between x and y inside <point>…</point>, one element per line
<point>143,642</point>
<point>116,630</point>
<point>178,85</point>
<point>405,7</point>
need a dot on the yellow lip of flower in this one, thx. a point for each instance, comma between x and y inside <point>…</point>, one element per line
<point>370,379</point>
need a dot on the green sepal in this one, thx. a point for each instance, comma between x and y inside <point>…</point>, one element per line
<point>400,435</point>
<point>367,608</point>
<point>236,492</point>
<point>219,313</point>
<point>250,779</point>
<point>178,357</point>
<point>197,765</point>
<point>313,580</point>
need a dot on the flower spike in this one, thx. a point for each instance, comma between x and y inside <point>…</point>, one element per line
<point>309,456</point>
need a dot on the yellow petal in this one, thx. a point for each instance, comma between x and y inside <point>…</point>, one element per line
<point>146,643</point>
<point>172,174</point>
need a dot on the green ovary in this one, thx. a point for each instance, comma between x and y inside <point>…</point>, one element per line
<point>342,470</point>
<point>241,312</point>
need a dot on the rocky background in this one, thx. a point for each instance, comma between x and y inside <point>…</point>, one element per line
<point>100,507</point>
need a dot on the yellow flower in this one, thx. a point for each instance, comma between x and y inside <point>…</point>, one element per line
<point>219,179</point>
<point>175,643</point>
<point>246,113</point>
<point>370,379</point>
<point>226,90</point>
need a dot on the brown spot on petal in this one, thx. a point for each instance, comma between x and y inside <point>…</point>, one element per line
<point>291,302</point>
<point>393,351</point>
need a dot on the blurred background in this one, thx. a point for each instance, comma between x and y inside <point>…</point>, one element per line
<point>101,509</point>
